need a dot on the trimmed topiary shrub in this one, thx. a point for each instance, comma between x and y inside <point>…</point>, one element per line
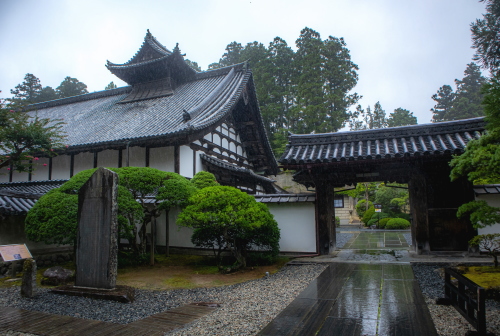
<point>361,207</point>
<point>383,222</point>
<point>402,215</point>
<point>380,215</point>
<point>337,221</point>
<point>368,215</point>
<point>372,222</point>
<point>397,224</point>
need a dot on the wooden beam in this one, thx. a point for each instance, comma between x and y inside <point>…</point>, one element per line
<point>325,213</point>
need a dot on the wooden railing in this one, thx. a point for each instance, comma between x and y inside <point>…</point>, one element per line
<point>467,297</point>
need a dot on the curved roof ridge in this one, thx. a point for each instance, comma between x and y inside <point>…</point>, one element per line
<point>83,97</point>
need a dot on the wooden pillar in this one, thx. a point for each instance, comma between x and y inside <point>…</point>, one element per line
<point>417,187</point>
<point>325,218</point>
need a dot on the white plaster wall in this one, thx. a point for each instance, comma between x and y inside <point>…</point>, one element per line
<point>108,158</point>
<point>162,158</point>
<point>179,236</point>
<point>19,177</point>
<point>4,175</point>
<point>186,161</point>
<point>137,157</point>
<point>60,167</point>
<point>83,161</point>
<point>297,223</point>
<point>493,200</point>
<point>40,172</point>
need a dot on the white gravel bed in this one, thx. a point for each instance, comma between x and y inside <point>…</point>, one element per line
<point>245,308</point>
<point>447,319</point>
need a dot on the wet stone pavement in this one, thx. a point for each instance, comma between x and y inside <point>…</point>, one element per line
<point>357,299</point>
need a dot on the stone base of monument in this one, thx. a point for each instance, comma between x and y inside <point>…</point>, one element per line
<point>123,294</point>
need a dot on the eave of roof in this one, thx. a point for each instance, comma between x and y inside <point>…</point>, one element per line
<point>228,166</point>
<point>285,198</point>
<point>386,143</point>
<point>486,189</point>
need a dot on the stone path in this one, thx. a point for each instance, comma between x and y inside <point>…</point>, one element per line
<point>56,325</point>
<point>357,299</point>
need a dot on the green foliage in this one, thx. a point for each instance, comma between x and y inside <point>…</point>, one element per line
<point>393,200</point>
<point>361,207</point>
<point>204,179</point>
<point>300,92</point>
<point>23,137</point>
<point>110,86</point>
<point>53,218</point>
<point>379,215</point>
<point>383,222</point>
<point>362,119</point>
<point>337,221</point>
<point>401,117</point>
<point>70,87</point>
<point>465,102</point>
<point>368,215</point>
<point>193,65</point>
<point>486,36</point>
<point>132,259</point>
<point>46,94</point>
<point>489,243</point>
<point>232,217</point>
<point>397,224</point>
<point>479,163</point>
<point>28,90</point>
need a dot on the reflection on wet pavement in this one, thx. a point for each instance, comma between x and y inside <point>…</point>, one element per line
<point>357,299</point>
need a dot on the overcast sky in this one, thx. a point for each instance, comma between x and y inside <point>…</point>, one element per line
<point>405,49</point>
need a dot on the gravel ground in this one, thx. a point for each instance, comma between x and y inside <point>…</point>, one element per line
<point>246,308</point>
<point>343,238</point>
<point>447,320</point>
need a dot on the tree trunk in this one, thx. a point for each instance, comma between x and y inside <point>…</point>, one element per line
<point>153,236</point>
<point>167,234</point>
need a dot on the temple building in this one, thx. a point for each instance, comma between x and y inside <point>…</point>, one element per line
<point>170,117</point>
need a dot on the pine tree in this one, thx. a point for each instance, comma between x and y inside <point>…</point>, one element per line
<point>71,87</point>
<point>363,119</point>
<point>486,37</point>
<point>232,54</point>
<point>110,86</point>
<point>28,90</point>
<point>401,117</point>
<point>444,102</point>
<point>46,94</point>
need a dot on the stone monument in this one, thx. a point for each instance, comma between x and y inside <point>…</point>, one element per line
<point>97,241</point>
<point>97,235</point>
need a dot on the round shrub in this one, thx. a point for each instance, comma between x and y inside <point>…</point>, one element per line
<point>368,215</point>
<point>372,222</point>
<point>397,224</point>
<point>361,207</point>
<point>380,215</point>
<point>383,222</point>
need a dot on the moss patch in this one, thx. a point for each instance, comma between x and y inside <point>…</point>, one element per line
<point>485,276</point>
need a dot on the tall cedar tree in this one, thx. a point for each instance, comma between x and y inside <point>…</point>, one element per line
<point>486,36</point>
<point>362,119</point>
<point>302,92</point>
<point>465,102</point>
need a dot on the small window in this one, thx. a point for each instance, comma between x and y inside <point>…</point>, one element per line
<point>338,201</point>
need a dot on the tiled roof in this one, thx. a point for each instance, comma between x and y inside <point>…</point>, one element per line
<point>407,141</point>
<point>285,198</point>
<point>12,205</point>
<point>484,189</point>
<point>97,118</point>
<point>228,166</point>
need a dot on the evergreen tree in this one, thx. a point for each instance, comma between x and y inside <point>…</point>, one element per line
<point>401,117</point>
<point>367,119</point>
<point>468,96</point>
<point>232,54</point>
<point>444,102</point>
<point>193,65</point>
<point>465,102</point>
<point>28,90</point>
<point>110,86</point>
<point>486,36</point>
<point>70,87</point>
<point>46,94</point>
<point>309,113</point>
<point>340,76</point>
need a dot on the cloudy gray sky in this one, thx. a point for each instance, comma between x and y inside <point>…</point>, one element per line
<point>405,49</point>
